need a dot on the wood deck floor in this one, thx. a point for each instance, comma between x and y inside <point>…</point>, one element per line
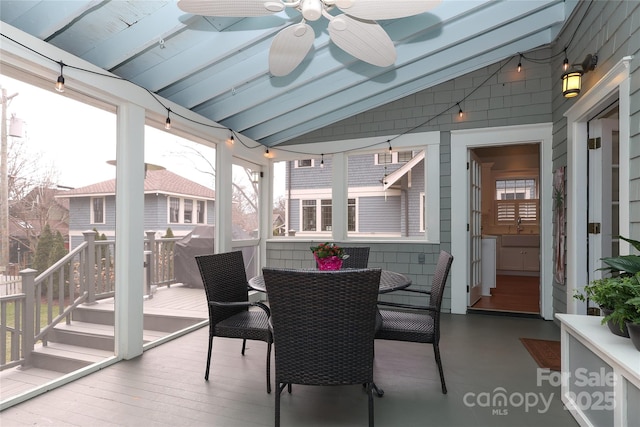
<point>516,294</point>
<point>189,304</point>
<point>165,386</point>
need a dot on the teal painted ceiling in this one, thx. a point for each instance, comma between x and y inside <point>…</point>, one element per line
<point>218,67</point>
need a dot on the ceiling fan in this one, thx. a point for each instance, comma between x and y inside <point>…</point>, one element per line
<point>354,30</point>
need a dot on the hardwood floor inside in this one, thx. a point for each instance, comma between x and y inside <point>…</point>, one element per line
<point>514,294</point>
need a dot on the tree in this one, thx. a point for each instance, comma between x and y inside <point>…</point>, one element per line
<point>43,249</point>
<point>32,190</point>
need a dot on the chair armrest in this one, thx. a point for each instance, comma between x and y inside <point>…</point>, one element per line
<point>407,306</point>
<point>241,304</point>
<point>415,291</point>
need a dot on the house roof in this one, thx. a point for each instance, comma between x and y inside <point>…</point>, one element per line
<point>156,181</point>
<point>399,173</point>
<point>218,66</point>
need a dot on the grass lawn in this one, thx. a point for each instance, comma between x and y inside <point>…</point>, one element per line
<point>11,323</point>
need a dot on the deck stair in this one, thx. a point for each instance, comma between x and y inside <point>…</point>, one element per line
<point>89,336</point>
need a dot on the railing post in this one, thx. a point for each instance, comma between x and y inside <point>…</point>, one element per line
<point>147,274</point>
<point>90,268</point>
<point>152,260</point>
<point>28,313</point>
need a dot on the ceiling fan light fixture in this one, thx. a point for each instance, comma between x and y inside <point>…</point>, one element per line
<point>274,6</point>
<point>311,9</point>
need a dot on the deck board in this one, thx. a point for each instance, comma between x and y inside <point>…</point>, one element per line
<point>165,386</point>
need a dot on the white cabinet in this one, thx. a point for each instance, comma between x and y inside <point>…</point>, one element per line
<point>600,379</point>
<point>519,253</point>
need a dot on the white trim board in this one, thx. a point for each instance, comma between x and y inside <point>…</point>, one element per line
<point>461,142</point>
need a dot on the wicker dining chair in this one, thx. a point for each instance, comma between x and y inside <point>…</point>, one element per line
<point>323,328</point>
<point>419,324</point>
<point>225,284</point>
<point>358,257</point>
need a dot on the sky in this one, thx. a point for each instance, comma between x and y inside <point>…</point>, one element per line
<point>77,140</point>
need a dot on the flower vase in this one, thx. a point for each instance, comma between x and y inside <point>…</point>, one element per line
<point>329,263</point>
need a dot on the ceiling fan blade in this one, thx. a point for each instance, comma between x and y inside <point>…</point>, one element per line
<point>236,8</point>
<point>385,9</point>
<point>289,47</point>
<point>366,40</point>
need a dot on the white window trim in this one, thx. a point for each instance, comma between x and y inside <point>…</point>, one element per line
<point>104,218</point>
<point>423,213</point>
<point>194,210</point>
<point>428,141</point>
<point>296,164</point>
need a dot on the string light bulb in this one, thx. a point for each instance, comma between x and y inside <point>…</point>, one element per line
<point>390,148</point>
<point>565,63</point>
<point>520,63</point>
<point>267,154</point>
<point>460,113</point>
<point>322,160</point>
<point>167,123</point>
<point>60,81</point>
<point>231,140</point>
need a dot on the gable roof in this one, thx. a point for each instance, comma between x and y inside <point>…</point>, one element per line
<point>399,173</point>
<point>156,181</point>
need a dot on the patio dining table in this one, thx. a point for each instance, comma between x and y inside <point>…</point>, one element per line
<point>389,281</point>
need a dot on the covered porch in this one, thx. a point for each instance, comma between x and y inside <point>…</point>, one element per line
<point>490,375</point>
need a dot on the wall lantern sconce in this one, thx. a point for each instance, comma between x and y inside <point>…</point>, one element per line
<point>255,176</point>
<point>572,80</point>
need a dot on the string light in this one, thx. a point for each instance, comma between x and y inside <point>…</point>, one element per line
<point>565,63</point>
<point>390,148</point>
<point>60,87</point>
<point>167,123</point>
<point>231,140</point>
<point>460,113</point>
<point>322,160</point>
<point>60,81</point>
<point>520,63</point>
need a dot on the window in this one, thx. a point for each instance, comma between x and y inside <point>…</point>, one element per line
<point>516,199</point>
<point>389,195</point>
<point>174,210</point>
<point>387,157</point>
<point>309,215</point>
<point>306,163</point>
<point>97,210</point>
<point>201,206</point>
<point>181,211</point>
<point>188,211</point>
<point>325,215</point>
<point>351,215</point>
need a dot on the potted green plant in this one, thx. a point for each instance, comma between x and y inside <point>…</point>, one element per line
<point>633,320</point>
<point>613,293</point>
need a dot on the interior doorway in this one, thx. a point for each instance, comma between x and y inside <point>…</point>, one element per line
<point>510,226</point>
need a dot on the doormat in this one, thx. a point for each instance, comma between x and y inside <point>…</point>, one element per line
<point>546,353</point>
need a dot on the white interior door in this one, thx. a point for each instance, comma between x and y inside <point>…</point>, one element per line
<point>602,193</point>
<point>475,228</point>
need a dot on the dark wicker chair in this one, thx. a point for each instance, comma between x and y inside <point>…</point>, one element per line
<point>225,284</point>
<point>421,323</point>
<point>358,258</point>
<point>323,327</point>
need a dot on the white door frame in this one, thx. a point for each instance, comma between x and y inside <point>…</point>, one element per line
<point>461,142</point>
<point>613,85</point>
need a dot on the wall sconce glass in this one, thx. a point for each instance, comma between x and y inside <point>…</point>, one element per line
<point>571,84</point>
<point>572,80</point>
<point>255,176</point>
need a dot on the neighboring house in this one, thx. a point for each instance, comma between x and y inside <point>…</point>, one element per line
<point>27,218</point>
<point>278,225</point>
<point>385,189</point>
<point>170,201</point>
